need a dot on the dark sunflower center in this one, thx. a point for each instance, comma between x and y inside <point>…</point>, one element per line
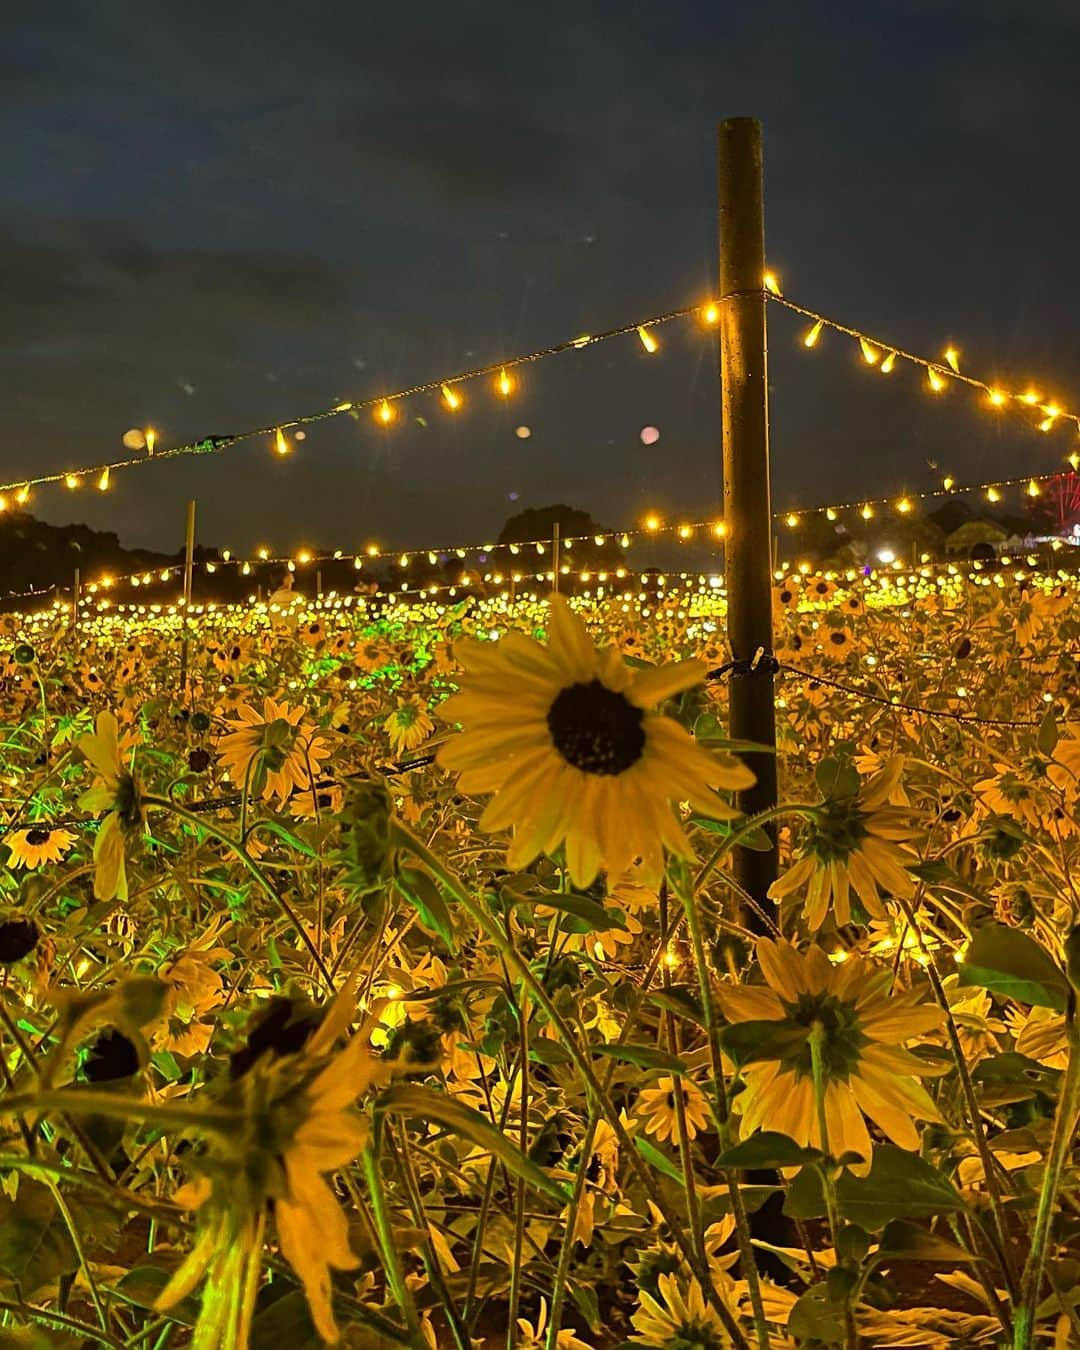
<point>595,729</point>
<point>37,837</point>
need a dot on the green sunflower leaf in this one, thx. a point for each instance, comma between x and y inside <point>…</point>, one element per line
<point>1006,961</point>
<point>903,1240</point>
<point>590,912</point>
<point>643,1056</point>
<point>1048,736</point>
<point>660,1161</point>
<point>412,1099</point>
<point>748,1042</point>
<point>422,893</point>
<point>767,1148</point>
<point>816,1316</point>
<point>900,1185</point>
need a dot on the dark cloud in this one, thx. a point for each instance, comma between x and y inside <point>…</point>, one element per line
<point>214,215</point>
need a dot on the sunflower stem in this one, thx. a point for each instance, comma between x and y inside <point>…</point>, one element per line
<point>201,823</point>
<point>384,1227</point>
<point>971,1102</point>
<point>523,1143</point>
<point>595,1091</point>
<point>1065,1119</point>
<point>685,892</point>
<point>828,1174</point>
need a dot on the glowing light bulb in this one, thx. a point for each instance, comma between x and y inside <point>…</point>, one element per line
<point>281,444</point>
<point>625,541</point>
<point>150,436</point>
<point>903,506</point>
<point>887,365</point>
<point>811,336</point>
<point>103,481</point>
<point>303,557</point>
<point>1074,460</point>
<point>23,495</point>
<point>867,512</point>
<point>772,283</point>
<point>996,397</point>
<point>652,524</point>
<point>685,531</point>
<point>952,358</point>
<point>1030,397</point>
<point>1033,489</point>
<point>647,340</point>
<point>934,380</point>
<point>947,482</point>
<point>582,341</point>
<point>711,313</point>
<point>72,480</point>
<point>372,550</point>
<point>504,384</point>
<point>870,353</point>
<point>791,520</point>
<point>719,529</point>
<point>403,561</point>
<point>993,495</point>
<point>451,398</point>
<point>386,412</point>
<point>262,552</point>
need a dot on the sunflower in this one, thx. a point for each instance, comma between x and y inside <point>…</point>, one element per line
<point>850,843</point>
<point>867,1070</point>
<point>678,1319</point>
<point>294,1124</point>
<point>274,751</point>
<point>31,848</point>
<point>565,737</point>
<point>408,725</point>
<point>531,1337</point>
<point>116,791</point>
<point>656,1106</point>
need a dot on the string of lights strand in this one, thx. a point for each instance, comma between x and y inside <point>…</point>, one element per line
<point>384,408</point>
<point>654,527</point>
<point>876,353</point>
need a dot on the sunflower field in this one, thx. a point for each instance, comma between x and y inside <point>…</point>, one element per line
<point>385,979</point>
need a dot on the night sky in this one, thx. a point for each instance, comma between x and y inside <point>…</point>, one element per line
<point>218,215</point>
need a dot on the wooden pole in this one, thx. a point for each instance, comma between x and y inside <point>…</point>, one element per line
<point>76,596</point>
<point>189,566</point>
<point>555,558</point>
<point>747,506</point>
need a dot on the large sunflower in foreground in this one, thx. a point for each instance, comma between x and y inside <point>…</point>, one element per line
<point>865,1024</point>
<point>853,844</point>
<point>566,738</point>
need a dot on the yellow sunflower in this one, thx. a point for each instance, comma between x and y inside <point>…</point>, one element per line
<point>851,843</point>
<point>116,791</point>
<point>295,1124</point>
<point>675,1318</point>
<point>408,725</point>
<point>36,846</point>
<point>273,751</point>
<point>656,1107</point>
<point>566,738</point>
<point>866,1024</point>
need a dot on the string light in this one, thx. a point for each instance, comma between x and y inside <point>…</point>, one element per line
<point>870,353</point>
<point>385,412</point>
<point>813,335</point>
<point>711,313</point>
<point>935,381</point>
<point>952,359</point>
<point>996,397</point>
<point>888,364</point>
<point>903,506</point>
<point>451,398</point>
<point>504,384</point>
<point>150,437</point>
<point>23,494</point>
<point>103,481</point>
<point>772,283</point>
<point>647,340</point>
<point>72,481</point>
<point>281,444</point>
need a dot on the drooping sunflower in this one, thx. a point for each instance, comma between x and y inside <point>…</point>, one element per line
<point>294,1124</point>
<point>853,843</point>
<point>274,751</point>
<point>31,848</point>
<point>567,739</point>
<point>866,1025</point>
<point>116,791</point>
